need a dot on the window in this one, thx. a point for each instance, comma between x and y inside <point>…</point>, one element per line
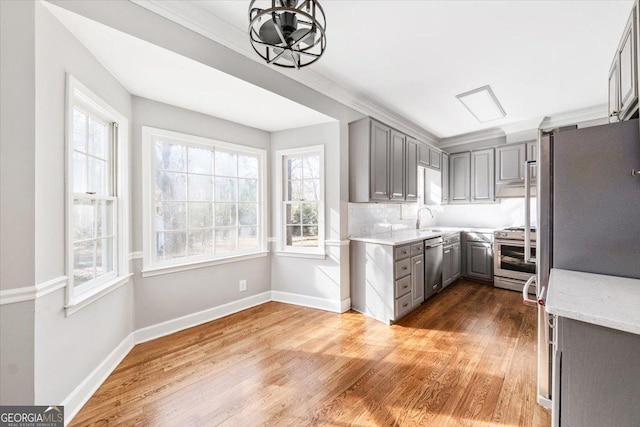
<point>96,215</point>
<point>203,199</point>
<point>301,196</point>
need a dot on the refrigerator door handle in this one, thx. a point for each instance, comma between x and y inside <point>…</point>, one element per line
<point>525,293</point>
<point>527,211</point>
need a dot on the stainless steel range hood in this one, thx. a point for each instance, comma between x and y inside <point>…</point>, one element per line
<point>512,191</point>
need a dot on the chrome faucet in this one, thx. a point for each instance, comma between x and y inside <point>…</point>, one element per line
<point>418,216</point>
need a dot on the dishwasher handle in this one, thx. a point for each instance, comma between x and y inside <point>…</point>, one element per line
<point>429,246</point>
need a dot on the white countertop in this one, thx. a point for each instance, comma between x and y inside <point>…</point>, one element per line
<point>610,301</point>
<point>405,236</point>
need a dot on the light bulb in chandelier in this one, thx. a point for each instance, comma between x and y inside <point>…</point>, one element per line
<point>287,33</point>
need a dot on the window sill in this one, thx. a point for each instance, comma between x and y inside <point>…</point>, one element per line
<point>84,300</point>
<point>158,270</point>
<point>312,255</point>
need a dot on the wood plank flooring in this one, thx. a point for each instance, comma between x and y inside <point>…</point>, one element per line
<point>465,358</point>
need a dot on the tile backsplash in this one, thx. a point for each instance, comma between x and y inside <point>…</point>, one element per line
<point>371,218</point>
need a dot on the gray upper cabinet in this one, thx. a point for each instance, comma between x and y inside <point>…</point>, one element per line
<point>380,143</point>
<point>627,53</point>
<point>623,74</point>
<point>434,159</point>
<point>397,166</point>
<point>459,177</point>
<point>482,176</point>
<point>510,164</point>
<point>445,178</point>
<point>411,168</point>
<point>383,163</point>
<point>614,91</point>
<point>424,156</point>
<point>532,154</point>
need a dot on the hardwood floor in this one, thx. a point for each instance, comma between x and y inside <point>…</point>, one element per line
<point>465,358</point>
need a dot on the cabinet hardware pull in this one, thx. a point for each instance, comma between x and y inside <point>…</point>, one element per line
<point>405,304</point>
<point>635,172</point>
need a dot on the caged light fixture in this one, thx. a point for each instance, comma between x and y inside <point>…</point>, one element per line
<point>287,33</point>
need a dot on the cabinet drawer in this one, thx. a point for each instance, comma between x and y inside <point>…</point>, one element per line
<point>417,249</point>
<point>403,286</point>
<point>402,252</point>
<point>403,305</point>
<point>403,268</point>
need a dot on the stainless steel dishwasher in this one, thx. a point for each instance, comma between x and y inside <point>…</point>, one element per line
<point>433,253</point>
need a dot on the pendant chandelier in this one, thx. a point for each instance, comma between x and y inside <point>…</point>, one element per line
<point>287,33</point>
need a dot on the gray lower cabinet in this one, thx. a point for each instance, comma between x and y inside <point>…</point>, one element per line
<point>596,376</point>
<point>479,257</point>
<point>417,279</point>
<point>451,260</point>
<point>387,282</point>
<point>459,177</point>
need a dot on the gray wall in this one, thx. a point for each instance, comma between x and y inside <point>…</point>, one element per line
<point>17,196</point>
<point>168,296</point>
<point>62,357</point>
<point>312,277</point>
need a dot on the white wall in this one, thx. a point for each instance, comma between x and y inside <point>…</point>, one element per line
<point>66,349</point>
<point>169,296</point>
<point>508,212</point>
<point>312,277</point>
<point>17,199</point>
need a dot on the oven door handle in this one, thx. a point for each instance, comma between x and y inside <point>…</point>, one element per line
<point>525,293</point>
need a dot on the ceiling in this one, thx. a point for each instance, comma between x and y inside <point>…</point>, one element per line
<point>152,72</point>
<point>413,57</point>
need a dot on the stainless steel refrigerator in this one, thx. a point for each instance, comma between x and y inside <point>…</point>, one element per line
<point>588,216</point>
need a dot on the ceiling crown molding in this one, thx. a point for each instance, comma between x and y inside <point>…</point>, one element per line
<point>207,24</point>
<point>575,117</point>
<point>470,137</point>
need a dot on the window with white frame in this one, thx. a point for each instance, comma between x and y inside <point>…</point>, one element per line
<point>203,199</point>
<point>96,203</point>
<point>301,196</point>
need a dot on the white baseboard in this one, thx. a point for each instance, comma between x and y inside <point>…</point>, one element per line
<point>311,302</point>
<point>195,319</point>
<point>83,392</point>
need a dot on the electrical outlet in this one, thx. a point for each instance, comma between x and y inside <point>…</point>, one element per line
<point>243,285</point>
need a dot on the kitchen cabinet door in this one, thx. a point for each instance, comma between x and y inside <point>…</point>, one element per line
<point>379,173</point>
<point>446,267</point>
<point>417,279</point>
<point>459,177</point>
<point>532,154</point>
<point>434,159</point>
<point>482,176</point>
<point>456,267</point>
<point>445,179</point>
<point>614,91</point>
<point>479,260</point>
<point>411,167</point>
<point>424,156</point>
<point>397,166</point>
<point>627,55</point>
<point>510,164</point>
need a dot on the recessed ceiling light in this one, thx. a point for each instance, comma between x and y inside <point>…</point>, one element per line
<point>483,104</point>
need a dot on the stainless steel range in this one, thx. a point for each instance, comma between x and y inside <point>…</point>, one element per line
<point>510,268</point>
